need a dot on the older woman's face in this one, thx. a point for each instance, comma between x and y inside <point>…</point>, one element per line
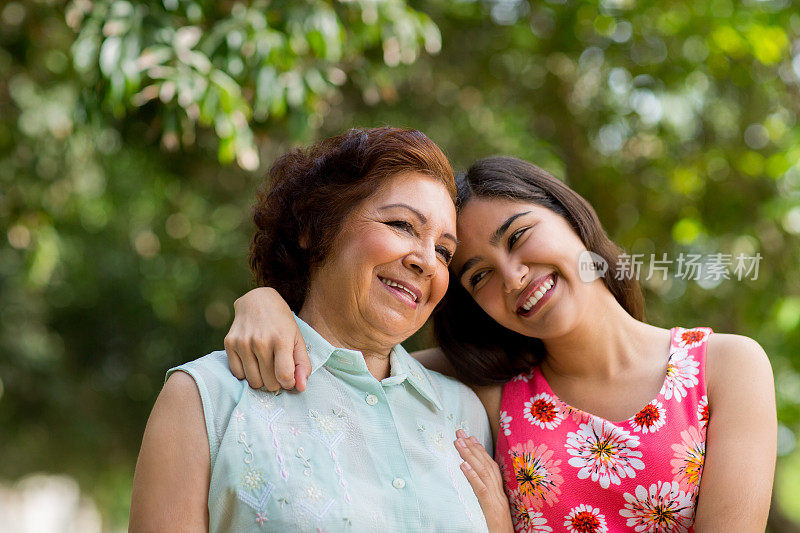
<point>388,268</point>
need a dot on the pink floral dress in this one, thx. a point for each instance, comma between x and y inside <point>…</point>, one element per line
<point>568,470</point>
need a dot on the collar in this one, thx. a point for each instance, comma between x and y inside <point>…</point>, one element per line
<point>403,366</point>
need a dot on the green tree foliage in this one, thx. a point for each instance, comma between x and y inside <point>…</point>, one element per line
<point>133,136</point>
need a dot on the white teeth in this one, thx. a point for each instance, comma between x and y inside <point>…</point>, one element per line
<point>536,296</point>
<point>399,286</point>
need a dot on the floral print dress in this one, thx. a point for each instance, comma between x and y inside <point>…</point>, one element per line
<point>568,470</point>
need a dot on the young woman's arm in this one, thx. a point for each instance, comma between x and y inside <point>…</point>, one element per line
<point>741,440</point>
<point>170,485</point>
<point>264,344</point>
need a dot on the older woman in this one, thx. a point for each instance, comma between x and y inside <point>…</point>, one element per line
<point>356,234</point>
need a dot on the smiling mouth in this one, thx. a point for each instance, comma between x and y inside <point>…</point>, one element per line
<point>398,287</point>
<point>543,289</point>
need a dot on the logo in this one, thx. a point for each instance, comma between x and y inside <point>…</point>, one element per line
<point>591,266</point>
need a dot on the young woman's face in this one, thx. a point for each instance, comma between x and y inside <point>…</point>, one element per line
<point>519,261</point>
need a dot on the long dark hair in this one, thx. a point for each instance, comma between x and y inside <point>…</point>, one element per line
<point>481,350</point>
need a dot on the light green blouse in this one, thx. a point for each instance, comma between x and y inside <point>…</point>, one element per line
<point>351,453</point>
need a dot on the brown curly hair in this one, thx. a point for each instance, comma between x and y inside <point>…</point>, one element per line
<point>309,193</point>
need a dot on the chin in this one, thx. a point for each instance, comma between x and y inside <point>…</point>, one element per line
<point>395,325</point>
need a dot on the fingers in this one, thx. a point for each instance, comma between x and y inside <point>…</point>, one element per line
<point>262,357</point>
<point>234,361</point>
<point>284,365</point>
<point>302,363</point>
<point>242,362</point>
<point>476,461</point>
<point>484,477</point>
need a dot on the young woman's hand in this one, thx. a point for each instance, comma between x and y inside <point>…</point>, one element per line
<point>484,476</point>
<point>264,344</point>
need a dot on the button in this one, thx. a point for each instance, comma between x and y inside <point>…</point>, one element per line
<point>372,399</point>
<point>399,483</point>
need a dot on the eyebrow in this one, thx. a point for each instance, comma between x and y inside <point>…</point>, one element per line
<point>495,238</point>
<point>469,263</point>
<point>421,217</point>
<point>504,226</point>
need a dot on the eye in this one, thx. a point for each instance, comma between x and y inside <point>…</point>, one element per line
<point>476,278</point>
<point>401,225</point>
<point>514,237</point>
<point>445,253</point>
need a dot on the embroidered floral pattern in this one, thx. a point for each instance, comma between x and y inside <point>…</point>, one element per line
<point>664,508</point>
<point>536,472</point>
<point>524,515</point>
<point>604,452</point>
<point>585,519</point>
<point>308,470</point>
<point>326,424</point>
<point>248,452</point>
<point>687,463</point>
<point>263,399</point>
<point>682,370</point>
<point>702,411</point>
<point>689,338</point>
<point>543,411</point>
<point>315,501</point>
<point>256,497</point>
<point>650,419</point>
<point>505,423</point>
<point>329,432</point>
<point>442,446</point>
<point>252,479</point>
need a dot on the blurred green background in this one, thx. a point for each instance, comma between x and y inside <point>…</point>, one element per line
<point>133,136</point>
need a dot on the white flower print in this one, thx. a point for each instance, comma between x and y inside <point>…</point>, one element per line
<point>524,377</point>
<point>585,519</point>
<point>682,370</point>
<point>576,414</point>
<point>505,423</point>
<point>702,412</point>
<point>604,451</point>
<point>689,338</point>
<point>650,419</point>
<point>543,411</point>
<point>664,508</point>
<point>526,519</point>
<point>687,462</point>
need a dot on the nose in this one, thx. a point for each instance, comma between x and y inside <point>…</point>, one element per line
<point>421,260</point>
<point>514,277</point>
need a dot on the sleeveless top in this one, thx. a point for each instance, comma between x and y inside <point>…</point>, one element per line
<point>350,454</point>
<point>568,470</point>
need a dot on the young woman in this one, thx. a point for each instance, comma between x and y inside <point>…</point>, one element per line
<point>601,421</point>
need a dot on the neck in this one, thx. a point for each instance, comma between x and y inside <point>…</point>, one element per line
<point>340,332</point>
<point>605,343</point>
